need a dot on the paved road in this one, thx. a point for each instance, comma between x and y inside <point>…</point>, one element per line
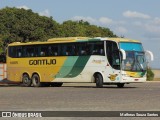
<point>143,96</point>
<point>79,97</point>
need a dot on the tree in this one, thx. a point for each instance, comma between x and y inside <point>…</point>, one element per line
<point>83,28</point>
<point>72,29</point>
<point>24,25</point>
<point>150,74</point>
<point>20,25</point>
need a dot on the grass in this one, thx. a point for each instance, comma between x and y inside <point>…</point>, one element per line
<point>156,79</point>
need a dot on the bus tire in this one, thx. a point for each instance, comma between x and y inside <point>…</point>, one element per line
<point>120,85</point>
<point>36,80</point>
<point>99,80</point>
<point>57,84</point>
<point>26,81</point>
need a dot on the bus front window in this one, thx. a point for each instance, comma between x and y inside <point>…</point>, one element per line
<point>135,61</point>
<point>135,57</point>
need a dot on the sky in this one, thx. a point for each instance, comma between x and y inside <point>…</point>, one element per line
<point>134,19</point>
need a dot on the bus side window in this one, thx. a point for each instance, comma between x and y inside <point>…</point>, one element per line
<point>70,50</point>
<point>56,50</point>
<point>44,50</point>
<point>63,50</point>
<point>82,49</point>
<point>30,51</point>
<point>50,51</point>
<point>87,49</point>
<point>42,53</point>
<point>75,49</point>
<point>36,51</point>
<point>10,51</point>
<point>98,48</point>
<point>53,50</point>
<point>15,52</point>
<point>19,52</point>
<point>101,51</point>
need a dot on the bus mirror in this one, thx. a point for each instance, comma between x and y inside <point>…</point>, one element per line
<point>149,55</point>
<point>123,54</point>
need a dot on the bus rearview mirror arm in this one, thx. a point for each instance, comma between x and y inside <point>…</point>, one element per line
<point>123,54</point>
<point>149,54</point>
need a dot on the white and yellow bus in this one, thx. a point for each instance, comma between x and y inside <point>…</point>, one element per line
<point>110,61</point>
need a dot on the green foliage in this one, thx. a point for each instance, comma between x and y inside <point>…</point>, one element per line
<point>24,25</point>
<point>82,28</point>
<point>20,25</point>
<point>150,74</point>
<point>72,29</point>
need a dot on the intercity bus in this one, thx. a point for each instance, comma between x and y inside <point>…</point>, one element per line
<point>103,61</point>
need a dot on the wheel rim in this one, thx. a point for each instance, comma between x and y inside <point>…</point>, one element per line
<point>36,81</point>
<point>26,80</point>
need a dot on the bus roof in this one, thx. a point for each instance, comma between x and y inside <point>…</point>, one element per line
<point>123,40</point>
<point>75,39</point>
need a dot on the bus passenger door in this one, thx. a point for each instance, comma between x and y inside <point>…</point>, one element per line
<point>113,66</point>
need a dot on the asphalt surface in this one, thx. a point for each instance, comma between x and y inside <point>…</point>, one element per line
<point>81,97</point>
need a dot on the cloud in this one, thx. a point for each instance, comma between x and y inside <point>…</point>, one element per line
<point>23,6</point>
<point>138,23</point>
<point>156,21</point>
<point>118,26</point>
<point>101,21</point>
<point>89,19</point>
<point>105,20</point>
<point>152,30</point>
<point>148,28</point>
<point>121,30</point>
<point>45,13</point>
<point>134,14</point>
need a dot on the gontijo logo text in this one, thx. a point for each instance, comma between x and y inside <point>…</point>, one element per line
<point>42,62</point>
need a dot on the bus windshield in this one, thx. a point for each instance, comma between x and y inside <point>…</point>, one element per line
<point>135,57</point>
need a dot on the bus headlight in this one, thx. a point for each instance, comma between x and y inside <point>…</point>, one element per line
<point>125,75</point>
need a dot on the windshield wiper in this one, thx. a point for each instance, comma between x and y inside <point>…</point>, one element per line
<point>139,64</point>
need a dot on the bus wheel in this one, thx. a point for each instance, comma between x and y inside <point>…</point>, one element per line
<point>99,81</point>
<point>26,81</point>
<point>57,84</point>
<point>120,85</point>
<point>36,80</point>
